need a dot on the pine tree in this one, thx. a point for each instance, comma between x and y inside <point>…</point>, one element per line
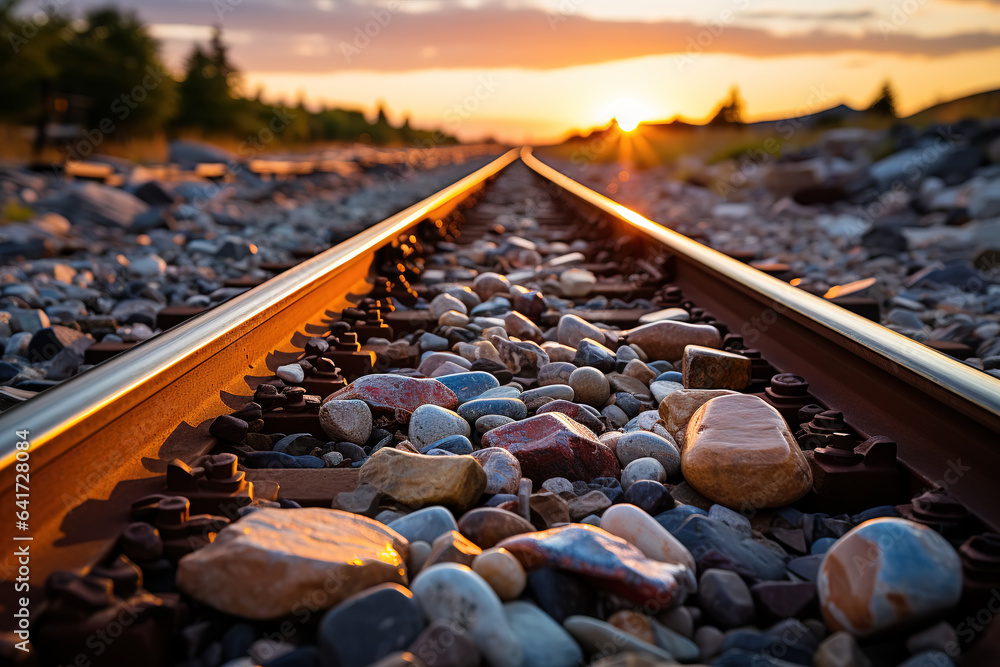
<point>885,103</point>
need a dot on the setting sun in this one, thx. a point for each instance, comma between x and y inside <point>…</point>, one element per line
<point>629,113</point>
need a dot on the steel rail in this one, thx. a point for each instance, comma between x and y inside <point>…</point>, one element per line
<point>119,421</point>
<point>944,415</point>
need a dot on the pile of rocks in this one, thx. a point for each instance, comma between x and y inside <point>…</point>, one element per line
<point>540,496</point>
<point>92,262</point>
<point>916,209</point>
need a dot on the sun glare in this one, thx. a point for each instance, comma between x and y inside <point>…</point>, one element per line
<point>629,113</point>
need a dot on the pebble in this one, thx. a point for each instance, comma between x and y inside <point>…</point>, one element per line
<point>449,592</point>
<point>665,340</point>
<point>487,526</point>
<point>725,599</point>
<point>444,644</point>
<point>397,395</point>
<point>660,389</point>
<point>458,445</point>
<point>473,410</point>
<point>598,637</point>
<point>503,471</point>
<point>453,318</point>
<point>368,626</point>
<point>490,422</point>
<point>590,386</point>
<point>516,324</point>
<point>642,444</point>
<point>582,414</point>
<point>709,640</point>
<point>418,480</point>
<point>734,520</point>
<point>643,468</point>
<point>467,386</point>
<point>559,392</point>
<point>556,372</point>
<point>452,547</point>
<point>502,572</point>
<point>425,525</point>
<point>572,329</point>
<point>714,544</point>
<point>594,502</point>
<point>887,573</point>
<point>840,650</point>
<point>419,551</point>
<point>559,353</point>
<point>311,548</point>
<point>643,532</point>
<point>544,641</point>
<point>443,303</point>
<point>676,314</point>
<point>638,370</point>
<point>678,407</point>
<point>634,624</point>
<point>431,423</point>
<point>650,496</point>
<point>608,561</point>
<point>707,368</point>
<point>347,420</point>
<point>739,452</point>
<point>291,373</point>
<point>593,353</point>
<point>553,445</point>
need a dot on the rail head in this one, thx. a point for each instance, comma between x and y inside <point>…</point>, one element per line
<point>960,385</point>
<point>79,407</point>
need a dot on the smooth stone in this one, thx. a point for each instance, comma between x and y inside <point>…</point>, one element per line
<point>572,329</point>
<point>939,637</point>
<point>649,496</point>
<point>482,349</point>
<point>513,408</point>
<point>553,445</point>
<point>643,532</point>
<point>500,392</point>
<point>593,353</point>
<point>678,619</point>
<point>644,468</point>
<point>665,340</point>
<point>443,303</point>
<point>626,354</point>
<point>603,639</point>
<point>453,318</point>
<point>346,420</point>
<point>608,561</point>
<point>444,644</point>
<point>739,452</point>
<point>615,416</point>
<point>519,326</point>
<point>725,599</point>
<point>348,637</point>
<point>490,422</point>
<point>258,460</point>
<point>641,444</point>
<point>675,314</point>
<point>561,594</point>
<point>493,308</point>
<point>734,520</point>
<point>633,623</point>
<point>429,342</point>
<point>707,368</point>
<point>887,573</point>
<point>675,643</point>
<point>502,572</point>
<point>589,386</point>
<point>453,444</point>
<point>559,353</point>
<point>397,395</point>
<point>419,551</point>
<point>678,407</point>
<point>559,392</point>
<point>430,423</point>
<point>503,471</point>
<point>777,600</point>
<point>709,640</point>
<point>548,509</point>
<point>486,526</point>
<point>418,480</point>
<point>670,376</point>
<point>448,368</point>
<point>558,485</point>
<point>822,545</point>
<point>594,502</point>
<point>638,370</point>
<point>840,650</point>
<point>425,525</point>
<point>291,373</point>
<point>455,594</point>
<point>630,404</point>
<point>288,554</point>
<point>661,389</point>
<point>545,642</point>
<point>452,547</point>
<point>714,544</point>
<point>557,372</point>
<point>487,284</point>
<point>431,363</point>
<point>575,283</point>
<point>521,358</point>
<point>468,386</point>
<point>578,412</point>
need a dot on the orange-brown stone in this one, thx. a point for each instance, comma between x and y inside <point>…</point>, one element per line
<point>706,368</point>
<point>666,340</point>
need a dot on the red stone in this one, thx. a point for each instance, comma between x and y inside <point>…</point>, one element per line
<point>608,561</point>
<point>396,395</point>
<point>553,445</point>
<point>574,411</point>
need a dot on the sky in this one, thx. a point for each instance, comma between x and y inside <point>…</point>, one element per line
<point>533,70</point>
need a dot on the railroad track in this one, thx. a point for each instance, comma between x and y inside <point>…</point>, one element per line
<point>890,417</point>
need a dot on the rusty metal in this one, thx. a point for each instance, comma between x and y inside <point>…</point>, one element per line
<point>215,487</point>
<point>788,394</point>
<point>850,478</point>
<point>939,510</point>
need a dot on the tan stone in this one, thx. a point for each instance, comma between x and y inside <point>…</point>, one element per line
<point>273,561</point>
<point>502,571</point>
<point>452,547</point>
<point>640,371</point>
<point>559,352</point>
<point>678,407</point>
<point>707,368</point>
<point>665,340</point>
<point>739,452</point>
<point>418,480</point>
<point>643,532</point>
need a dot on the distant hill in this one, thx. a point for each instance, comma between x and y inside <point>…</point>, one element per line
<point>979,105</point>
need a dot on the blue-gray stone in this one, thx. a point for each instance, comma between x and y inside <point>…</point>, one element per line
<point>369,626</point>
<point>298,444</point>
<point>280,460</point>
<point>822,545</point>
<point>454,444</point>
<point>489,422</point>
<point>480,407</point>
<point>545,642</point>
<point>874,513</point>
<point>669,376</point>
<point>469,385</point>
<point>434,451</point>
<point>590,352</point>
<point>714,544</point>
<point>425,525</point>
<point>661,366</point>
<point>495,306</point>
<point>559,392</point>
<point>501,392</point>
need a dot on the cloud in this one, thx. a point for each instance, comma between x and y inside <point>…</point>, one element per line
<point>860,15</point>
<point>353,37</point>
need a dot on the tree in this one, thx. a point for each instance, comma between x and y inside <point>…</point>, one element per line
<point>731,111</point>
<point>207,100</point>
<point>885,103</point>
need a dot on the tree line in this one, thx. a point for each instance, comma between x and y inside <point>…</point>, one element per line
<point>105,70</point>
